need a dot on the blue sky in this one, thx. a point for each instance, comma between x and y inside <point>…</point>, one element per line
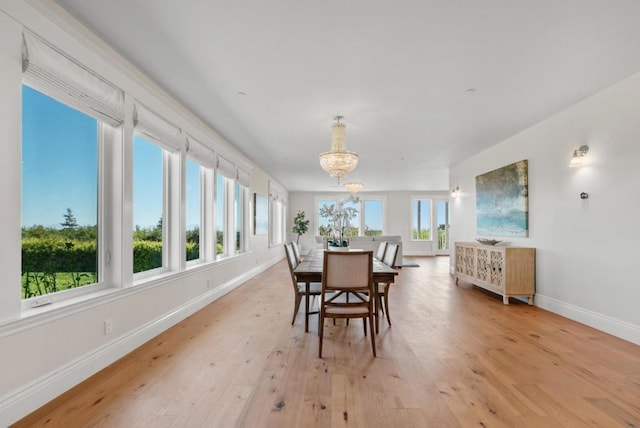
<point>60,168</point>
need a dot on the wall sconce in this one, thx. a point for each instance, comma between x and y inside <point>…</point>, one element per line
<point>455,192</point>
<point>577,159</point>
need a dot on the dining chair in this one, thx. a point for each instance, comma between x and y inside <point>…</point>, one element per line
<point>383,289</point>
<point>347,284</point>
<point>380,251</point>
<point>296,251</point>
<point>299,288</point>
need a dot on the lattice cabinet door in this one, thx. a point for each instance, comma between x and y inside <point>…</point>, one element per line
<point>469,261</point>
<point>483,271</point>
<point>497,269</point>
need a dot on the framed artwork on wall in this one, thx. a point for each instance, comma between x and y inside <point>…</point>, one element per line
<point>502,201</point>
<point>260,214</point>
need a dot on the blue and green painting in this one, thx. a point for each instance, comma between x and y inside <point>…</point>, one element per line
<point>502,204</point>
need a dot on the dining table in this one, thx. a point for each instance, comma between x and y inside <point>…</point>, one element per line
<point>310,270</point>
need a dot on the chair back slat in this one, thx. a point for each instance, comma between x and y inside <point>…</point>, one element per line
<point>296,251</point>
<point>381,250</point>
<point>390,255</point>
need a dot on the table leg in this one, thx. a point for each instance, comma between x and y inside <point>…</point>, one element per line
<point>306,307</point>
<point>376,308</point>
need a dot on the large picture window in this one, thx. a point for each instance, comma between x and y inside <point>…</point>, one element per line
<point>60,147</point>
<point>368,219</point>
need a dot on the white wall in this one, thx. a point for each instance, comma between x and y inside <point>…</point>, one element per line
<point>397,215</point>
<point>47,350</point>
<point>586,249</point>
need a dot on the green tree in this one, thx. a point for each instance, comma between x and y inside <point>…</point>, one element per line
<point>70,222</point>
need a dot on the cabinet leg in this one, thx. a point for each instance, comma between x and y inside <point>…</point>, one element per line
<point>456,280</point>
<point>505,299</point>
<point>531,300</point>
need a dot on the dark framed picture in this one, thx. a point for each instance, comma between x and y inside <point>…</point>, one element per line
<point>260,214</point>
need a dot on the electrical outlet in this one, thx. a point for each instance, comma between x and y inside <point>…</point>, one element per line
<point>108,326</point>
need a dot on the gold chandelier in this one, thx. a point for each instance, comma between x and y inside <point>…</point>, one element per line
<point>338,162</point>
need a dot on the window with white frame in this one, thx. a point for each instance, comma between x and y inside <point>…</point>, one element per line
<point>68,116</point>
<point>148,205</point>
<point>372,216</point>
<point>156,145</point>
<point>193,210</point>
<point>60,147</point>
<point>221,214</point>
<point>421,219</point>
<point>367,221</point>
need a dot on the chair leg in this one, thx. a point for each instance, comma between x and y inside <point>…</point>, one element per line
<point>320,332</point>
<point>386,304</point>
<point>296,306</point>
<point>373,336</point>
<point>364,324</point>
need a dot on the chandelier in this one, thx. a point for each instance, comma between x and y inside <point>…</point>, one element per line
<point>353,186</point>
<point>338,162</point>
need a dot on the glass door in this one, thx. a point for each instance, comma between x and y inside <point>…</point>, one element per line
<point>442,221</point>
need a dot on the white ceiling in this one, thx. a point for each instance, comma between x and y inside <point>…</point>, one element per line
<point>399,71</point>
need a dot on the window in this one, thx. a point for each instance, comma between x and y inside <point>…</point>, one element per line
<point>148,205</point>
<point>352,227</point>
<point>241,203</point>
<point>368,221</point>
<point>442,217</point>
<point>193,210</point>
<point>421,219</point>
<point>372,217</point>
<point>60,186</point>
<point>324,224</point>
<point>221,209</point>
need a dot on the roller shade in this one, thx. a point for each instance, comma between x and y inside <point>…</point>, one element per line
<point>157,129</point>
<point>225,167</point>
<point>57,75</point>
<point>244,177</point>
<point>201,153</point>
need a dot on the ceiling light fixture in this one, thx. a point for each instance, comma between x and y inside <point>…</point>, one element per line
<point>338,162</point>
<point>577,159</point>
<point>353,186</point>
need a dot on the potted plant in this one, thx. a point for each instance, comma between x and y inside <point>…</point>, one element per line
<point>300,225</point>
<point>339,217</point>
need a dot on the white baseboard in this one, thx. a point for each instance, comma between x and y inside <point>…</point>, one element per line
<point>20,402</point>
<point>613,326</point>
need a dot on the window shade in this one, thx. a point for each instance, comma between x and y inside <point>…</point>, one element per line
<point>201,153</point>
<point>58,76</point>
<point>244,177</point>
<point>159,130</point>
<point>226,167</point>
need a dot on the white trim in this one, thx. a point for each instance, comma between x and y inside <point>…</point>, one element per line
<point>614,326</point>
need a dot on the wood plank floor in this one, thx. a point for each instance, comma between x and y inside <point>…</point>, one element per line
<point>454,357</point>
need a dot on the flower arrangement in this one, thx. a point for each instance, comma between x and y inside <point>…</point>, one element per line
<point>339,217</point>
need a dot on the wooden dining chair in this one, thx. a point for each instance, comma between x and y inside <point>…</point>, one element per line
<point>347,284</point>
<point>380,251</point>
<point>296,251</point>
<point>383,289</point>
<point>299,288</point>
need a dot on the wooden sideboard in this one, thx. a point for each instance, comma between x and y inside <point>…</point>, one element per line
<point>508,271</point>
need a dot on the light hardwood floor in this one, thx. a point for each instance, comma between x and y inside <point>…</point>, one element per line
<point>454,357</point>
